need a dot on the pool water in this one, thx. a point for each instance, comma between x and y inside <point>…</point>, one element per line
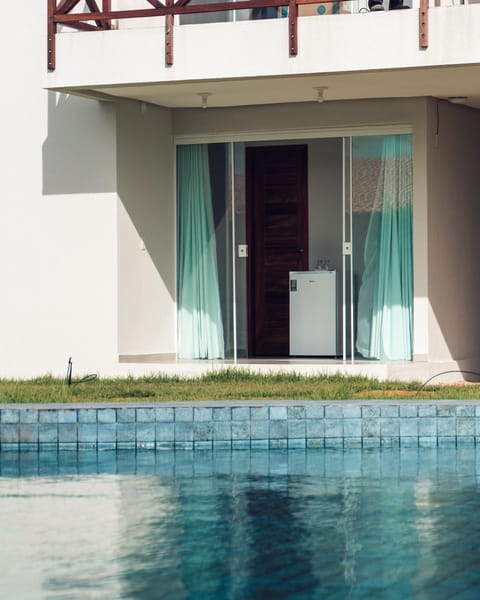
<point>243,524</point>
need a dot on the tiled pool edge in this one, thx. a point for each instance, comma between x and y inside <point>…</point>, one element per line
<point>256,425</point>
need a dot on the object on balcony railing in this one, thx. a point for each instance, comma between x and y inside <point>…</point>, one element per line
<point>94,18</point>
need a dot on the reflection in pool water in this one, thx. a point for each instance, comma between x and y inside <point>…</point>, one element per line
<point>315,524</point>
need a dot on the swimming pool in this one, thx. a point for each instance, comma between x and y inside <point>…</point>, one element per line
<point>390,523</point>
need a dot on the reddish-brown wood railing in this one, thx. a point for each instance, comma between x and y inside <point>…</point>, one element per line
<point>96,18</point>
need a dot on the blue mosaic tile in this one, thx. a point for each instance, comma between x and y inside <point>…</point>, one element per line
<point>28,446</point>
<point>145,432</point>
<point>296,428</point>
<point>125,415</point>
<point>352,428</point>
<point>465,440</point>
<point>446,411</point>
<point>390,441</point>
<point>240,430</point>
<point>48,447</point>
<point>202,414</point>
<point>409,442</point>
<point>106,445</point>
<point>314,411</point>
<point>427,441</point>
<point>278,413</point>
<point>10,447</point>
<point>408,427</point>
<point>241,413</point>
<point>259,444</point>
<point>69,446</point>
<point>316,443</point>
<point>371,442</point>
<point>48,433</point>
<point>125,445</point>
<point>184,431</point>
<point>66,416</point>
<point>333,412</point>
<point>352,412</point>
<point>240,444</point>
<point>164,414</point>
<point>203,445</point>
<point>277,430</point>
<point>477,425</point>
<point>183,445</point>
<point>389,412</point>
<point>222,430</point>
<point>332,442</point>
<point>87,445</point>
<point>446,426</point>
<point>315,428</point>
<point>164,445</point>
<point>184,413</point>
<point>370,427</point>
<point>333,427</point>
<point>223,413</point>
<point>202,431</point>
<point>297,443</point>
<point>278,444</point>
<point>9,433</point>
<point>126,432</point>
<point>427,426</point>
<point>28,416</point>
<point>447,441</point>
<point>465,426</point>
<point>477,410</point>
<point>145,415</point>
<point>259,413</point>
<point>222,444</point>
<point>465,411</point>
<point>107,432</point>
<point>259,430</point>
<point>87,415</point>
<point>67,432</point>
<point>10,415</point>
<point>370,412</point>
<point>87,432</point>
<point>28,433</point>
<point>47,416</point>
<point>296,412</point>
<point>164,432</point>
<point>352,442</point>
<point>389,427</point>
<point>427,411</point>
<point>408,411</point>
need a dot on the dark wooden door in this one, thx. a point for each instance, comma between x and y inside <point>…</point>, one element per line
<point>278,241</point>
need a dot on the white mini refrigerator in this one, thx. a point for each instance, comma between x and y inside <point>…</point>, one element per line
<point>313,313</point>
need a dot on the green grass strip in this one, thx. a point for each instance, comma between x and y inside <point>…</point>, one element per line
<point>229,384</point>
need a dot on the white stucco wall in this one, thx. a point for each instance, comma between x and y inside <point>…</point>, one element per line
<point>146,230</point>
<point>453,232</point>
<point>57,216</point>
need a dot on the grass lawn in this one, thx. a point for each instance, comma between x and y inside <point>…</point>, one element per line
<point>225,385</point>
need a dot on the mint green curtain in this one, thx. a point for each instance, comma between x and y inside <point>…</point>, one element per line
<point>385,301</point>
<point>200,328</point>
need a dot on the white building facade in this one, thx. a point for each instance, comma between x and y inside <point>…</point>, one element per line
<point>98,153</point>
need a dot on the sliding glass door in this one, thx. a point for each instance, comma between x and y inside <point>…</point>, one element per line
<point>360,225</point>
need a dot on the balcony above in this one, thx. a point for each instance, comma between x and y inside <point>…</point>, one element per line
<point>355,55</point>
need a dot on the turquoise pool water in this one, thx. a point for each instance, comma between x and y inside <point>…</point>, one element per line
<point>241,525</point>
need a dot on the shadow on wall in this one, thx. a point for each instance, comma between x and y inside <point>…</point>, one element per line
<point>79,152</point>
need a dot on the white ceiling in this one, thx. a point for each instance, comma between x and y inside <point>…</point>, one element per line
<point>441,82</point>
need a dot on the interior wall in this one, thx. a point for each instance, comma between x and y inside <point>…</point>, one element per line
<point>146,230</point>
<point>453,231</point>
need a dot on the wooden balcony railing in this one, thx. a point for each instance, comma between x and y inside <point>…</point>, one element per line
<point>100,18</point>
